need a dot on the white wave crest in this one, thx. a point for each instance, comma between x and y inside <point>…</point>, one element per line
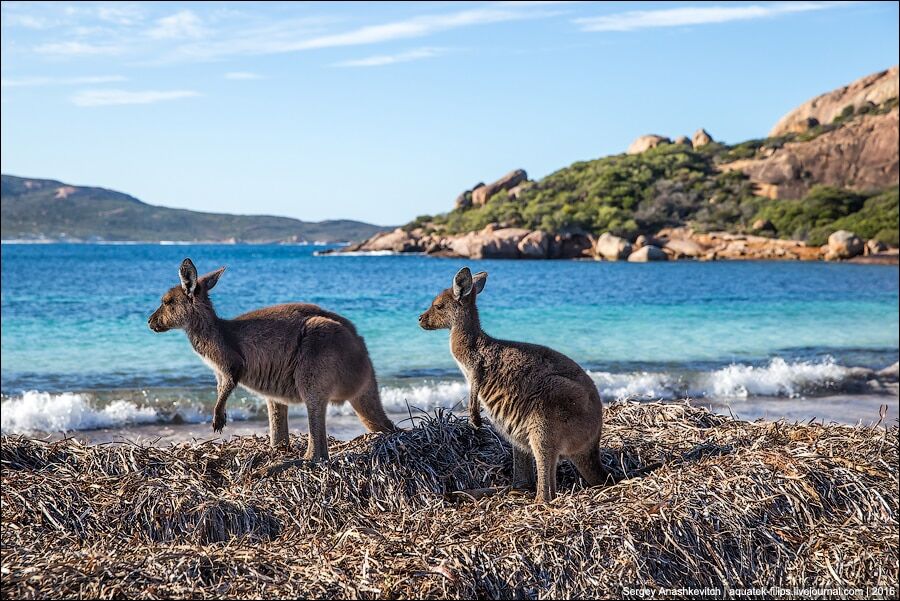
<point>45,412</point>
<point>36,411</point>
<point>643,385</point>
<point>777,378</point>
<point>48,412</point>
<point>425,396</point>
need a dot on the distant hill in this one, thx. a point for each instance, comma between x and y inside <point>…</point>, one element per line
<point>48,209</point>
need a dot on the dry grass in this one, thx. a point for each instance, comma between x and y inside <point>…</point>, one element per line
<point>736,503</point>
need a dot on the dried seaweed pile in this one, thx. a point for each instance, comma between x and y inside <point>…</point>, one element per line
<point>735,504</point>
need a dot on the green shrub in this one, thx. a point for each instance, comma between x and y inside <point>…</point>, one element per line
<point>825,210</point>
<point>879,218</point>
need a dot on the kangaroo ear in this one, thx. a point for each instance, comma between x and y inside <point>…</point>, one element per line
<point>462,283</point>
<point>210,280</point>
<point>188,274</point>
<point>479,280</point>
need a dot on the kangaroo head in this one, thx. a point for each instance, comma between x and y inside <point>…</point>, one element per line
<point>185,305</point>
<point>454,304</point>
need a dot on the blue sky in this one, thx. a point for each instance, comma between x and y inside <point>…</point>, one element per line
<point>382,112</point>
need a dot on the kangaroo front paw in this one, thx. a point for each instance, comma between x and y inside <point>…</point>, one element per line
<point>475,420</point>
<point>219,421</point>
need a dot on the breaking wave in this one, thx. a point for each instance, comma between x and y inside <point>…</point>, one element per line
<point>36,411</point>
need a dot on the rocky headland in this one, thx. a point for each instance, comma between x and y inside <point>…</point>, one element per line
<point>821,186</point>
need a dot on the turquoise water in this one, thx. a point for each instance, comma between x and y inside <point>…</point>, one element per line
<point>75,321</point>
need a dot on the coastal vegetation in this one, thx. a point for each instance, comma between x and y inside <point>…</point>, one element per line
<point>825,210</point>
<point>411,515</point>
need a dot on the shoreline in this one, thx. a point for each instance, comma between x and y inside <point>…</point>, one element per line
<point>847,409</point>
<point>500,241</point>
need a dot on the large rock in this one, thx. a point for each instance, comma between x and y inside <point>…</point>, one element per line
<point>860,155</point>
<point>844,245</point>
<point>398,240</point>
<point>612,248</point>
<point>481,194</point>
<point>535,245</point>
<point>464,200</point>
<point>683,141</point>
<point>647,142</point>
<point>571,245</point>
<point>647,253</point>
<point>489,243</point>
<point>724,245</point>
<point>683,247</point>
<point>872,89</point>
<point>873,247</point>
<point>701,138</point>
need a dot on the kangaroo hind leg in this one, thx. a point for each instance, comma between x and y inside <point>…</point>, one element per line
<point>591,469</point>
<point>278,423</point>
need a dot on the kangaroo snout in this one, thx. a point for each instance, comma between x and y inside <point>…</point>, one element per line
<point>153,323</point>
<point>425,322</point>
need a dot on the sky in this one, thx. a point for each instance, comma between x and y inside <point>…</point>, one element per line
<point>385,111</point>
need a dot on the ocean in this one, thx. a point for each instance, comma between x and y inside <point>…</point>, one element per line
<point>757,339</point>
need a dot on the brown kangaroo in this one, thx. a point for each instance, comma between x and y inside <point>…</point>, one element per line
<point>292,353</point>
<point>542,401</point>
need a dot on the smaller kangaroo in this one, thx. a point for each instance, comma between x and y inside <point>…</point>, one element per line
<point>292,353</point>
<point>544,404</point>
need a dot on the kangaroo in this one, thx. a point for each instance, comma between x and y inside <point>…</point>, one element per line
<point>544,404</point>
<point>291,353</point>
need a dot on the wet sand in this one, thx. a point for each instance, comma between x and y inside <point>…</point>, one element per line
<point>843,409</point>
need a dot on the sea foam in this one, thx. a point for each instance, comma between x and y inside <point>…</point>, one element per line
<point>46,412</point>
<point>35,411</point>
<point>54,412</point>
<point>777,378</point>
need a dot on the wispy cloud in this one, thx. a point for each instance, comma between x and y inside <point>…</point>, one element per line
<point>75,48</point>
<point>296,37</point>
<point>414,27</point>
<point>26,21</point>
<point>116,97</point>
<point>183,24</point>
<point>381,60</point>
<point>242,75</point>
<point>147,35</point>
<point>27,82</point>
<point>125,14</point>
<point>695,15</point>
